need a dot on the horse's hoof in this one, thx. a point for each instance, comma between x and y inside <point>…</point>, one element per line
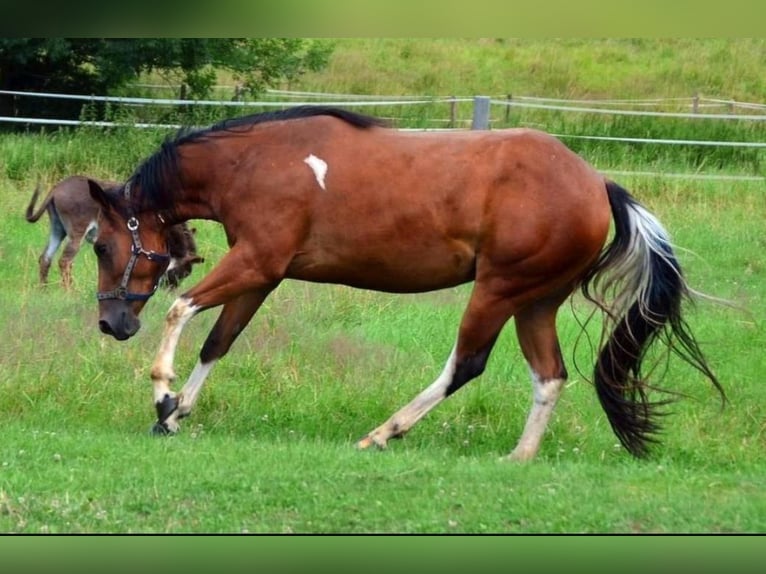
<point>166,408</point>
<point>160,429</point>
<point>365,443</point>
<point>368,441</point>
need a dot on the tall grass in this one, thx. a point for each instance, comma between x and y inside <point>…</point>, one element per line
<point>566,68</point>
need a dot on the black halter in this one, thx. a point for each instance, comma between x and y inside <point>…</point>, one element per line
<point>136,249</point>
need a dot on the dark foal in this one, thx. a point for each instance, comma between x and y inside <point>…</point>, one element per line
<point>73,216</point>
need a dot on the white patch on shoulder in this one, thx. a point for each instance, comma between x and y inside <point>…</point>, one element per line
<point>320,168</point>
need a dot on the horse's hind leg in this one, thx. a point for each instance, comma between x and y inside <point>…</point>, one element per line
<point>481,324</point>
<point>65,262</point>
<point>57,235</point>
<point>536,331</point>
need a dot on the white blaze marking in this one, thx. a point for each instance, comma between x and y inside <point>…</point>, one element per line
<point>320,168</point>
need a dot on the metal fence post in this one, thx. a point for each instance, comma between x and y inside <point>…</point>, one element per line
<point>480,113</point>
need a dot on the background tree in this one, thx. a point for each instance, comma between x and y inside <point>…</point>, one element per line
<point>99,66</point>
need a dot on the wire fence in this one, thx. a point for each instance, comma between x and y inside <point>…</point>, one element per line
<point>484,112</point>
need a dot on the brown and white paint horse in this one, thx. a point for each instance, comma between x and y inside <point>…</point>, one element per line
<point>73,214</point>
<point>325,195</point>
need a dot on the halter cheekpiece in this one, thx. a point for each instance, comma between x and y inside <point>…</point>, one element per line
<point>136,250</point>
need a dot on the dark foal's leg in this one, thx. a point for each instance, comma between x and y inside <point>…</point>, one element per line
<point>482,321</point>
<point>536,331</point>
<point>65,262</point>
<point>57,235</point>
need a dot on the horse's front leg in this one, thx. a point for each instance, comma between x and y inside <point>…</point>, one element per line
<point>235,316</point>
<point>165,401</point>
<point>232,321</point>
<point>241,288</point>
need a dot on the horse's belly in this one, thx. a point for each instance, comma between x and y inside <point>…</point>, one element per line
<point>416,269</point>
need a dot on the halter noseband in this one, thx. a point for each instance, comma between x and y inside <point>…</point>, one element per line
<point>136,249</point>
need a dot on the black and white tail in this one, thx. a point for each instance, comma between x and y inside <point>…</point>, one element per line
<point>640,276</point>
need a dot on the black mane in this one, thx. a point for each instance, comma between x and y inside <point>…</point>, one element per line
<point>158,174</point>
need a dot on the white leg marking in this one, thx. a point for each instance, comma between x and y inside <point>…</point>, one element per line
<point>545,394</point>
<point>320,168</point>
<point>53,244</point>
<point>404,419</point>
<point>430,397</point>
<point>162,370</point>
<point>190,391</point>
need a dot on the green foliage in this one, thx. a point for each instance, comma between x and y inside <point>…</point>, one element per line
<point>50,156</point>
<point>104,65</point>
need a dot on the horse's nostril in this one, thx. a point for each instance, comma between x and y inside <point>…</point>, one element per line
<point>105,327</point>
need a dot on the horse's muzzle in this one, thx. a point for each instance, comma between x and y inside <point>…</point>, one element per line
<point>123,328</point>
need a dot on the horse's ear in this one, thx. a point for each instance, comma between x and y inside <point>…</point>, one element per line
<point>98,194</point>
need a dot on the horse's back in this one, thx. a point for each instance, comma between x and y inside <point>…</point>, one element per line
<point>408,211</point>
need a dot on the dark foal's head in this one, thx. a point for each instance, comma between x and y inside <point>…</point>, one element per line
<point>183,252</point>
<point>132,255</point>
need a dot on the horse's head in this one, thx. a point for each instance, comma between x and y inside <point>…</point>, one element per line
<point>132,256</point>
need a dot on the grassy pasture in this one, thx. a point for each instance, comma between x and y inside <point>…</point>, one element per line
<point>610,68</point>
<point>269,447</point>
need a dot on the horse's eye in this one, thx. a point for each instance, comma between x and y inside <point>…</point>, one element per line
<point>100,249</point>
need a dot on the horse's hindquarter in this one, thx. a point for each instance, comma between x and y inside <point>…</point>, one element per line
<point>74,205</point>
<point>414,212</point>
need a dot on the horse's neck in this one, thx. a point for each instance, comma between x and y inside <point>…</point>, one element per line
<point>195,200</point>
<point>198,198</point>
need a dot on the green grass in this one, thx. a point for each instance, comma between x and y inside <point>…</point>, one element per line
<point>270,445</point>
<point>567,68</point>
<point>65,481</point>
